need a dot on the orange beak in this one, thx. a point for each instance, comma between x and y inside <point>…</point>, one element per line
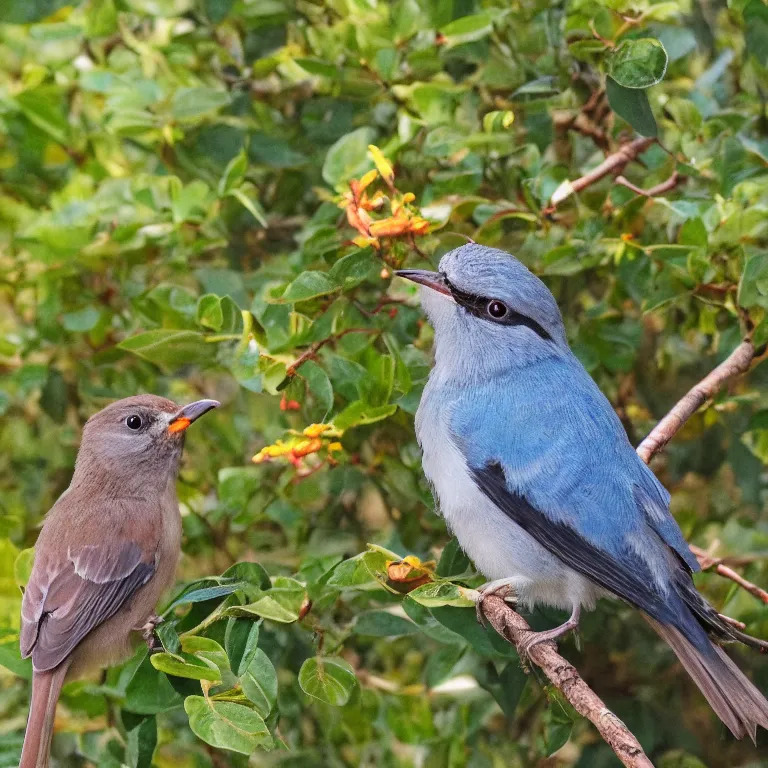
<point>190,413</point>
<point>178,425</point>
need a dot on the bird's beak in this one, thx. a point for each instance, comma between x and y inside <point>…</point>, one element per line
<point>434,280</point>
<point>189,413</point>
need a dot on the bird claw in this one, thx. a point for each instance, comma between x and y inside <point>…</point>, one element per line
<point>148,633</point>
<point>531,639</point>
<point>502,588</point>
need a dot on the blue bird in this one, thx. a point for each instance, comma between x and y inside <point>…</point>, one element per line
<point>535,476</point>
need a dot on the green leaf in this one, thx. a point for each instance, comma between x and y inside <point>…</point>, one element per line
<point>756,29</point>
<point>463,621</point>
<point>233,174</point>
<point>100,18</point>
<point>441,664</point>
<point>22,566</point>
<point>360,413</point>
<point>329,679</point>
<point>282,603</point>
<point>168,636</point>
<point>319,384</point>
<point>437,593</point>
<point>81,321</point>
<point>250,573</point>
<point>189,103</point>
<point>241,643</point>
<point>453,561</point>
<point>209,312</point>
<point>309,285</point>
<point>207,650</point>
<point>353,269</point>
<point>227,725</point>
<point>467,29</point>
<point>638,63</point>
<point>148,691</point>
<point>42,111</point>
<point>170,348</point>
<point>185,665</point>
<point>259,683</point>
<point>508,686</point>
<point>384,624</point>
<point>753,286</point>
<point>348,157</point>
<point>252,206</point>
<point>10,658</point>
<point>206,593</point>
<point>141,743</point>
<point>556,735</point>
<point>632,104</point>
<point>359,571</point>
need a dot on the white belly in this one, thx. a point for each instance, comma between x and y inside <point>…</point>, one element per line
<point>499,548</point>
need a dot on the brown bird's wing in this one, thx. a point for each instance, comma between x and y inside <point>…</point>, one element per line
<point>66,599</point>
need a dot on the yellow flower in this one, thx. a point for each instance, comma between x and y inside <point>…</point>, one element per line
<point>315,430</point>
<point>382,164</point>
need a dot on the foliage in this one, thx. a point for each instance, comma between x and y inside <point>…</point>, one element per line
<point>208,197</point>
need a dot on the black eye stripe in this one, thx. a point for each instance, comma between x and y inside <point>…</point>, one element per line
<point>477,305</point>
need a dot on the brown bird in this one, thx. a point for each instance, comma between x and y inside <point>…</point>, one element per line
<point>107,552</point>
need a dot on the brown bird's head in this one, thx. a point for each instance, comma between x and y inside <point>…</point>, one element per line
<point>138,439</point>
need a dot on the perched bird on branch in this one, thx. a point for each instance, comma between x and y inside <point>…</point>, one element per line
<point>107,551</point>
<point>534,474</point>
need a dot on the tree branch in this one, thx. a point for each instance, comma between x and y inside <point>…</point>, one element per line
<point>315,347</point>
<point>563,675</point>
<point>659,189</point>
<point>614,163</point>
<point>706,561</point>
<point>738,362</point>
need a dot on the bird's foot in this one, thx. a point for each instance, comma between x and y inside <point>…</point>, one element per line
<point>503,588</point>
<point>149,635</point>
<point>532,639</point>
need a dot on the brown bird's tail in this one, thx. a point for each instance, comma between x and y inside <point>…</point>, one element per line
<point>732,696</point>
<point>46,687</point>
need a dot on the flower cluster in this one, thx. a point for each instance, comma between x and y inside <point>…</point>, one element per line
<point>359,205</point>
<point>315,439</point>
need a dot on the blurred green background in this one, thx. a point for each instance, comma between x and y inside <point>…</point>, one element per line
<point>187,208</point>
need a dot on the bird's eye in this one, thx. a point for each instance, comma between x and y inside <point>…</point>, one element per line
<point>133,422</point>
<point>496,309</point>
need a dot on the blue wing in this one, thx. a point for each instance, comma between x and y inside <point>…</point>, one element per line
<point>545,445</point>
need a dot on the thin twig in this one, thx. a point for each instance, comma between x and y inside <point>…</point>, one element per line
<point>614,163</point>
<point>737,362</point>
<point>706,561</point>
<point>659,189</point>
<point>314,348</point>
<point>563,675</point>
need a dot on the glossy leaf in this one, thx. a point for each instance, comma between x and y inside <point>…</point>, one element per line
<point>227,725</point>
<point>329,679</point>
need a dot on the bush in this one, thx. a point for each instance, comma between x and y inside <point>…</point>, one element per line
<point>209,198</point>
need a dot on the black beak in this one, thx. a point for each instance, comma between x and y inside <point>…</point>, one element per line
<point>434,280</point>
<point>190,413</point>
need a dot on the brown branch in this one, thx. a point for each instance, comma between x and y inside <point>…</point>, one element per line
<point>737,362</point>
<point>310,352</point>
<point>563,675</point>
<point>659,189</point>
<point>614,163</point>
<point>706,561</point>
